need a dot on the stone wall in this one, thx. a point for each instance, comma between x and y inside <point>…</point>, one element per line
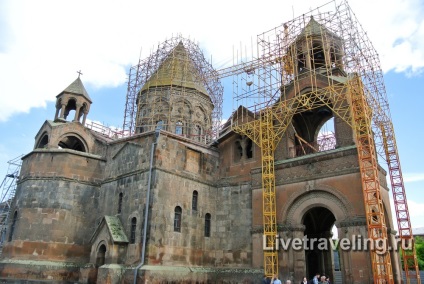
<point>56,204</point>
<point>236,170</point>
<point>127,172</point>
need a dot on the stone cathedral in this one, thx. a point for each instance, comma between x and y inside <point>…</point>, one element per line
<point>170,204</point>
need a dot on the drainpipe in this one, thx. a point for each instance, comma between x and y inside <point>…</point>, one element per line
<point>146,211</point>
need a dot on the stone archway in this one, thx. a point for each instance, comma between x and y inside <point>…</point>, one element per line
<point>312,213</point>
<point>297,206</point>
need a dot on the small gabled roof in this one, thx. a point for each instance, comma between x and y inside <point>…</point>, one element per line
<point>77,88</point>
<point>240,113</point>
<point>177,69</point>
<point>114,227</point>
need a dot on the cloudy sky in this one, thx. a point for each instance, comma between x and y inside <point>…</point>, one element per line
<point>43,44</point>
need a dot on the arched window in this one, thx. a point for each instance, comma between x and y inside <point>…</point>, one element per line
<point>177,219</point>
<point>133,228</point>
<point>121,195</point>
<point>249,148</point>
<point>179,128</point>
<point>159,125</point>
<point>194,201</point>
<point>198,133</point>
<point>12,227</point>
<point>44,141</point>
<point>238,151</point>
<point>73,143</point>
<point>207,225</point>
<point>101,255</point>
<point>317,55</point>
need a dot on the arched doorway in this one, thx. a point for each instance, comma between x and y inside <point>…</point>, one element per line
<point>318,222</point>
<point>101,254</point>
<point>100,260</point>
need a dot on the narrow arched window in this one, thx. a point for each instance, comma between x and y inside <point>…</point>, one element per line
<point>207,225</point>
<point>159,125</point>
<point>177,219</point>
<point>121,195</point>
<point>12,227</point>
<point>249,149</point>
<point>194,201</point>
<point>199,133</point>
<point>179,128</point>
<point>133,228</point>
<point>238,151</point>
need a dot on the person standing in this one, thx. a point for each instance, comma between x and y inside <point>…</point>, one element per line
<point>304,281</point>
<point>315,280</point>
<point>275,280</point>
<point>323,280</point>
<point>266,280</point>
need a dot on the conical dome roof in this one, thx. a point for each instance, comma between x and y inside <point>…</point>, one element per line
<point>313,28</point>
<point>77,88</point>
<point>178,69</point>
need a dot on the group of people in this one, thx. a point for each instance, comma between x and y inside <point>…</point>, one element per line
<point>318,279</point>
<point>274,280</point>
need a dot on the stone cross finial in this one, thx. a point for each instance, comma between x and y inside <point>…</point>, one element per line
<point>79,73</point>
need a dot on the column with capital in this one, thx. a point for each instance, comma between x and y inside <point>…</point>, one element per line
<point>77,112</point>
<point>84,117</point>
<point>62,111</point>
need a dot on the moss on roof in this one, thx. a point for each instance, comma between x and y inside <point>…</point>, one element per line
<point>116,229</point>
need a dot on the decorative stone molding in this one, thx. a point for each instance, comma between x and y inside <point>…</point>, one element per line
<point>324,196</point>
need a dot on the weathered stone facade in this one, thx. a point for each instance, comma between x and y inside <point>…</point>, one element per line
<point>80,211</point>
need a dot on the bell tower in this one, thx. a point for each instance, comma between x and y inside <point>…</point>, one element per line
<point>316,49</point>
<point>73,98</point>
<point>313,174</point>
<point>315,62</point>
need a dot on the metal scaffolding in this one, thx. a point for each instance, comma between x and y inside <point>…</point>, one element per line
<point>327,61</point>
<point>316,63</point>
<point>8,187</point>
<point>180,68</point>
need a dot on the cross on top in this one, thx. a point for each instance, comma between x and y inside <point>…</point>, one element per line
<point>79,73</point>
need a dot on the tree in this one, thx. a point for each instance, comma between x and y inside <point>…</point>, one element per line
<point>419,249</point>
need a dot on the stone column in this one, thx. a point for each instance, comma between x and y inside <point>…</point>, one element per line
<point>299,258</point>
<point>84,118</point>
<point>292,261</point>
<point>62,111</point>
<point>77,111</point>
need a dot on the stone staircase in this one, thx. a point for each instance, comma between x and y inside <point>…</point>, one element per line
<point>337,277</point>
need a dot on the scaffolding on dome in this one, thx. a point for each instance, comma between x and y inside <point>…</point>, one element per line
<point>332,50</point>
<point>142,114</point>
